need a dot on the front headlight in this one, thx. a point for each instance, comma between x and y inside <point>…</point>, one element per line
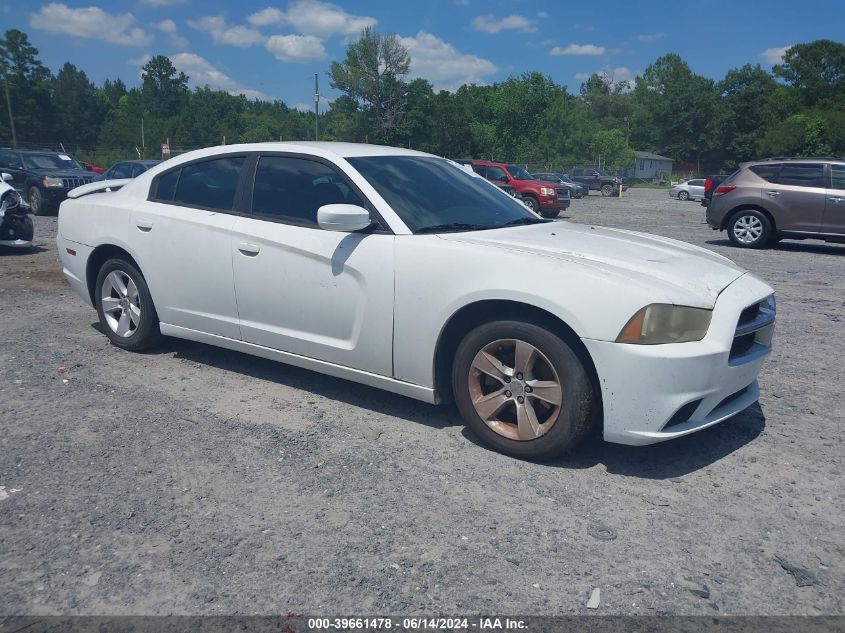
<point>547,191</point>
<point>770,304</point>
<point>49,181</point>
<point>660,323</point>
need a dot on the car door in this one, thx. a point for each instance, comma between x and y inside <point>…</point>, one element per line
<point>10,162</point>
<point>796,196</point>
<point>321,294</point>
<point>834,210</point>
<point>181,236</point>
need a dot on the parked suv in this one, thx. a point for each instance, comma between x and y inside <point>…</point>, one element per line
<point>796,198</point>
<point>43,177</point>
<point>546,198</point>
<point>598,180</point>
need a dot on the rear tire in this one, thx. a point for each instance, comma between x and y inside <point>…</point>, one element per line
<point>125,307</point>
<point>749,228</point>
<point>553,384</point>
<point>607,190</point>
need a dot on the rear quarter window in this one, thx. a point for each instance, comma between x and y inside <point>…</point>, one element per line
<point>766,172</point>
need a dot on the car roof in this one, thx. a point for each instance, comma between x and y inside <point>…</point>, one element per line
<point>319,148</point>
<point>795,159</point>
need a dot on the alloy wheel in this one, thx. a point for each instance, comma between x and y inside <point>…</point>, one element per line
<point>748,229</point>
<point>121,303</point>
<point>515,389</point>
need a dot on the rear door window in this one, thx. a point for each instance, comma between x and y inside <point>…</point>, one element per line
<point>497,173</point>
<point>801,175</point>
<point>210,184</point>
<point>766,172</point>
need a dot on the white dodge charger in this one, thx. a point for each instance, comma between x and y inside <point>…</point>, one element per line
<point>399,270</point>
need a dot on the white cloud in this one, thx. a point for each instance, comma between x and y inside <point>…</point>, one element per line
<point>490,24</point>
<point>774,55</point>
<point>578,49</point>
<point>613,75</point>
<point>442,64</point>
<point>202,73</point>
<point>304,107</point>
<point>162,3</point>
<point>139,61</point>
<point>169,27</point>
<point>313,17</point>
<point>223,33</point>
<point>90,23</point>
<point>650,37</point>
<point>296,48</point>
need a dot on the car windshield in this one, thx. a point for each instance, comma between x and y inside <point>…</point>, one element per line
<point>431,195</point>
<point>518,173</point>
<point>565,178</point>
<point>50,161</point>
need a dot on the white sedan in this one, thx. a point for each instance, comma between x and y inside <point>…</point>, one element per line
<point>688,190</point>
<point>397,269</point>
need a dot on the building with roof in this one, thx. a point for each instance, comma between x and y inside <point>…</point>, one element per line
<point>649,166</point>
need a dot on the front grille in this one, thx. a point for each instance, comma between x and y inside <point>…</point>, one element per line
<point>562,194</point>
<point>682,415</point>
<point>76,181</point>
<point>753,333</point>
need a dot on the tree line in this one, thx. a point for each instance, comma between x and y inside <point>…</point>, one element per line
<point>797,109</point>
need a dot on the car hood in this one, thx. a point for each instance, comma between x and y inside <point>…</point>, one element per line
<point>683,273</point>
<point>63,173</point>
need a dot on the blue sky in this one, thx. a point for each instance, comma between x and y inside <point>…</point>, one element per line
<point>272,49</point>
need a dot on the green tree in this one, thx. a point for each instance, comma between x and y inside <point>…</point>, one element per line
<point>26,90</point>
<point>373,75</point>
<point>164,89</point>
<point>78,106</point>
<point>817,70</point>
<point>610,151</point>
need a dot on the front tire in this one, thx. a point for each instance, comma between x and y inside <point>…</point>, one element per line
<point>607,190</point>
<point>550,213</point>
<point>125,307</point>
<point>36,201</point>
<point>533,203</point>
<point>749,228</point>
<point>683,196</point>
<point>522,390</point>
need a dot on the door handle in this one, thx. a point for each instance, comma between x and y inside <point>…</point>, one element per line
<point>144,225</point>
<point>251,250</point>
<point>836,199</point>
<point>773,193</point>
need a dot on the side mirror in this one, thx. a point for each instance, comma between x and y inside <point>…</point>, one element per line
<point>346,218</point>
<point>7,177</point>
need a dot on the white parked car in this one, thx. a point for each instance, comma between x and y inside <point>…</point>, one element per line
<point>398,270</point>
<point>688,190</point>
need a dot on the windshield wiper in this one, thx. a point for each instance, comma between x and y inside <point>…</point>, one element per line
<point>519,221</point>
<point>458,226</point>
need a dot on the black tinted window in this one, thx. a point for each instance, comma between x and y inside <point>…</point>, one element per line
<point>497,173</point>
<point>166,186</point>
<point>292,189</point>
<point>801,175</point>
<point>766,172</point>
<point>837,176</point>
<point>210,184</point>
<point>121,170</point>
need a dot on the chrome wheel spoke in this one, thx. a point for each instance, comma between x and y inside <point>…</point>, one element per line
<point>527,424</point>
<point>116,280</point>
<point>123,324</point>
<point>524,357</point>
<point>110,304</point>
<point>545,390</point>
<point>488,406</point>
<point>134,314</point>
<point>490,365</point>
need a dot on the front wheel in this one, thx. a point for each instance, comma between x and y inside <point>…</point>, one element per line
<point>683,196</point>
<point>607,190</point>
<point>749,229</point>
<point>522,390</point>
<point>550,213</point>
<point>532,202</point>
<point>125,307</point>
<point>36,201</point>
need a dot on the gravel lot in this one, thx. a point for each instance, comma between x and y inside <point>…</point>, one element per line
<point>195,480</point>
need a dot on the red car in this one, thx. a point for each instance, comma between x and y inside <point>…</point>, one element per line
<point>546,198</point>
<point>94,168</point>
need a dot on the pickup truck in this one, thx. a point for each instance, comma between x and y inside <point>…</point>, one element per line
<point>598,180</point>
<point>546,198</point>
<point>710,185</point>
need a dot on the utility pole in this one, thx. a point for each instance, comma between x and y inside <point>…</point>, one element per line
<point>316,108</point>
<point>143,143</point>
<point>9,107</point>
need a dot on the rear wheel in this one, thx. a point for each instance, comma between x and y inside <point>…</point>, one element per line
<point>125,307</point>
<point>522,390</point>
<point>749,228</point>
<point>607,190</point>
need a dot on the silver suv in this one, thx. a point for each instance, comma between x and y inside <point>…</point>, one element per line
<point>766,201</point>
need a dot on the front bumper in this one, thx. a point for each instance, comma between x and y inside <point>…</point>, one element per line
<point>653,393</point>
<point>16,230</point>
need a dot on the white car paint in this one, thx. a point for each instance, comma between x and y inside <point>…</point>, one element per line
<point>372,307</point>
<point>15,243</point>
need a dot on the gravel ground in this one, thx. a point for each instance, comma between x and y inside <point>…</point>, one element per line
<point>195,480</point>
